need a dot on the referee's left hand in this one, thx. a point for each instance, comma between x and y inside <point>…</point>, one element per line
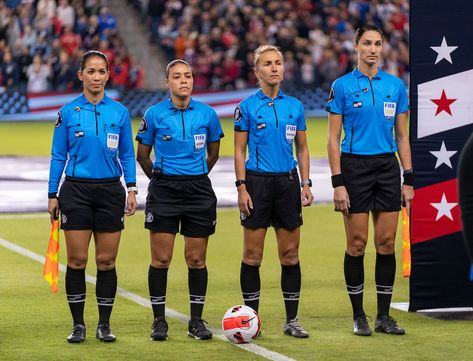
<point>306,196</point>
<point>407,195</point>
<point>131,204</point>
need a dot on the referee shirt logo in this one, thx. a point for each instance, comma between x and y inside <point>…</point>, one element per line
<point>389,110</point>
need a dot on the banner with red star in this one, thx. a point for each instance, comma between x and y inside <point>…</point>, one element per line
<point>441,122</point>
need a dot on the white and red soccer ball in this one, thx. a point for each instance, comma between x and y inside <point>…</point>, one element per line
<point>241,324</point>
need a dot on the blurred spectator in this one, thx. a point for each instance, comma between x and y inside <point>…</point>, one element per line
<point>38,74</point>
<point>119,72</point>
<point>47,7</point>
<point>70,41</point>
<point>63,74</point>
<point>65,13</point>
<point>9,69</point>
<point>135,74</point>
<point>24,60</point>
<point>107,23</point>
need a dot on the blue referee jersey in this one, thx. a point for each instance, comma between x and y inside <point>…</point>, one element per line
<point>91,139</point>
<point>180,136</point>
<point>369,109</point>
<point>272,126</point>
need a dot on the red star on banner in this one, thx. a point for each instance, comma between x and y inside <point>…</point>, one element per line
<point>443,104</point>
<point>435,212</point>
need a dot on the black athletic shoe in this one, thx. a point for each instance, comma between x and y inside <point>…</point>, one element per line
<point>77,334</point>
<point>160,329</point>
<point>387,324</point>
<point>104,333</point>
<point>293,328</point>
<point>361,326</point>
<point>198,330</point>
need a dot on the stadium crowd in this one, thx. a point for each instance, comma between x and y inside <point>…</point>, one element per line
<point>42,41</point>
<point>218,37</point>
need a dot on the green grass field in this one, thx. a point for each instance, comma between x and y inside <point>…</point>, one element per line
<point>34,138</point>
<point>34,322</point>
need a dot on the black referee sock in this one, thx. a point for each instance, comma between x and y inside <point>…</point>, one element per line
<point>75,291</point>
<point>384,276</point>
<point>355,278</point>
<point>250,285</point>
<point>105,291</point>
<point>291,288</point>
<point>197,280</point>
<point>157,283</point>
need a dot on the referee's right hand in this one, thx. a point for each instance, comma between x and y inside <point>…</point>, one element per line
<point>53,209</point>
<point>244,201</point>
<point>341,200</point>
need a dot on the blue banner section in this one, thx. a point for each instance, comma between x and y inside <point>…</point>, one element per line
<point>441,101</point>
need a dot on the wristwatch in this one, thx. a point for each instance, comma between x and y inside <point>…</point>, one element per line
<point>306,182</point>
<point>239,182</point>
<point>132,189</point>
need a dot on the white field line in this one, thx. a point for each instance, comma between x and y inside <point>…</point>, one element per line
<point>253,348</point>
<point>24,216</point>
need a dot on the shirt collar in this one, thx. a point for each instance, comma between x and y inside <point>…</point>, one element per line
<point>359,74</point>
<point>262,95</point>
<point>191,105</point>
<point>83,100</point>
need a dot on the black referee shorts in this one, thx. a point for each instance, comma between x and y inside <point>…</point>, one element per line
<point>188,200</point>
<point>96,205</point>
<point>276,200</point>
<point>372,182</point>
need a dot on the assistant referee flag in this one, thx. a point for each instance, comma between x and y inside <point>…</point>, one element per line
<point>51,266</point>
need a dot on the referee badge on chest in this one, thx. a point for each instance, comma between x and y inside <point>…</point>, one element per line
<point>290,133</point>
<point>199,141</point>
<point>389,110</point>
<point>112,141</point>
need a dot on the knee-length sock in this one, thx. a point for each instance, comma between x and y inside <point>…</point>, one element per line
<point>250,285</point>
<point>75,291</point>
<point>105,291</point>
<point>291,288</point>
<point>354,279</point>
<point>157,283</point>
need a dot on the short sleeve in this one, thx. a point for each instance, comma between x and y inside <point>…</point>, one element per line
<point>402,101</point>
<point>241,119</point>
<point>336,99</point>
<point>215,128</point>
<point>301,124</point>
<point>146,132</point>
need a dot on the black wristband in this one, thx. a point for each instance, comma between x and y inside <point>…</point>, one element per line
<point>337,180</point>
<point>52,195</point>
<point>239,182</point>
<point>408,176</point>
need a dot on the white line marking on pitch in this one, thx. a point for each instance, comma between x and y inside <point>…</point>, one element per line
<point>253,348</point>
<point>24,216</point>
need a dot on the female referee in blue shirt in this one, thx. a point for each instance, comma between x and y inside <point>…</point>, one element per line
<point>268,123</point>
<point>369,103</point>
<point>93,141</point>
<point>186,136</point>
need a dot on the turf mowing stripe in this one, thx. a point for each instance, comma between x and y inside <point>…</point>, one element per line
<point>258,350</point>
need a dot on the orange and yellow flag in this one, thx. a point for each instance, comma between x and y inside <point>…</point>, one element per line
<point>51,265</point>
<point>406,244</point>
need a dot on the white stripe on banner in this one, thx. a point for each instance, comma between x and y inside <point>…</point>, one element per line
<point>58,100</point>
<point>253,348</point>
